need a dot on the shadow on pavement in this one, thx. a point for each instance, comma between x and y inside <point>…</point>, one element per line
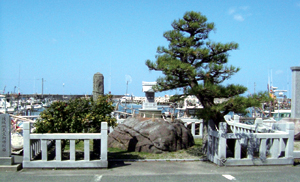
<point>115,164</point>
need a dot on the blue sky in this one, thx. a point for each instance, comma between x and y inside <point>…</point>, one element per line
<point>66,42</point>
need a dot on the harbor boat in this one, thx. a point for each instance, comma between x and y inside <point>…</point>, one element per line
<point>46,104</point>
<point>7,110</point>
<point>37,106</point>
<point>280,114</point>
<point>5,106</point>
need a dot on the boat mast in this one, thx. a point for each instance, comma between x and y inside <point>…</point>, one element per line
<point>19,81</point>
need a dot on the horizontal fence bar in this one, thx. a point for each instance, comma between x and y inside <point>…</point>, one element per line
<point>66,164</point>
<point>67,136</point>
<point>251,135</point>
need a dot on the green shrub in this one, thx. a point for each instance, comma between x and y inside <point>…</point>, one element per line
<point>76,116</point>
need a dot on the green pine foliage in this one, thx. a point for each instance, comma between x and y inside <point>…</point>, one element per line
<point>200,66</point>
<point>76,116</point>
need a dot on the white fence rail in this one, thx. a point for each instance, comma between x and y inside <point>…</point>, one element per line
<point>193,122</point>
<point>275,148</point>
<point>35,144</point>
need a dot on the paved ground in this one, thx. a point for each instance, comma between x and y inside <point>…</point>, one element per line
<point>158,171</point>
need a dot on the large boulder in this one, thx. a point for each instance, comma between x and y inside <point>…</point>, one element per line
<point>146,135</point>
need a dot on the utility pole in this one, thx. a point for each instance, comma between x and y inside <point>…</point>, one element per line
<point>42,87</point>
<point>63,90</point>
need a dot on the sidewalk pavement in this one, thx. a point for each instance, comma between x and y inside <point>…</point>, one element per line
<point>158,171</point>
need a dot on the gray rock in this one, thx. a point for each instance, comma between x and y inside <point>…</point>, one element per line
<point>145,135</point>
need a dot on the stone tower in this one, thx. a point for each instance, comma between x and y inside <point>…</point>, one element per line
<point>295,92</point>
<point>98,85</point>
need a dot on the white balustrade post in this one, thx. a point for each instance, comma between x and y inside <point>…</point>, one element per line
<point>201,128</point>
<point>72,150</point>
<point>193,128</point>
<point>236,119</point>
<point>26,143</point>
<point>103,151</point>
<point>111,129</point>
<point>222,142</point>
<point>290,143</point>
<point>86,149</point>
<point>58,154</point>
<point>258,121</point>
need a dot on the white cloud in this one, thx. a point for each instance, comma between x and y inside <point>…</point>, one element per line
<point>240,13</point>
<point>238,17</point>
<point>231,11</point>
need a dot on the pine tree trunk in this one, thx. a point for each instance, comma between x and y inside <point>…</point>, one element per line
<point>210,124</point>
<point>204,139</point>
<point>213,126</point>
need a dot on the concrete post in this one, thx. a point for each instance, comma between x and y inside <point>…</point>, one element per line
<point>295,92</point>
<point>26,144</point>
<point>222,143</point>
<point>289,152</point>
<point>5,139</point>
<point>201,128</point>
<point>98,85</point>
<point>103,151</point>
<point>236,119</point>
<point>193,128</point>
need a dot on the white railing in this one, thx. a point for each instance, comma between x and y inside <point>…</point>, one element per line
<point>193,123</point>
<point>237,127</point>
<point>35,144</point>
<point>261,148</point>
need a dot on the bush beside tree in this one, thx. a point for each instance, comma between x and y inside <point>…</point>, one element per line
<point>76,116</point>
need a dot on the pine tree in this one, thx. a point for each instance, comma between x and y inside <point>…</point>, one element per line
<point>200,66</point>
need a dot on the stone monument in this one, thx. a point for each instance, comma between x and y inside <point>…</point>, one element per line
<point>98,89</point>
<point>5,147</point>
<point>295,92</point>
<point>295,103</point>
<point>98,85</point>
<point>6,159</point>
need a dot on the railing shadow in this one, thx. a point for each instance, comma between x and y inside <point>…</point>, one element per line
<point>122,155</point>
